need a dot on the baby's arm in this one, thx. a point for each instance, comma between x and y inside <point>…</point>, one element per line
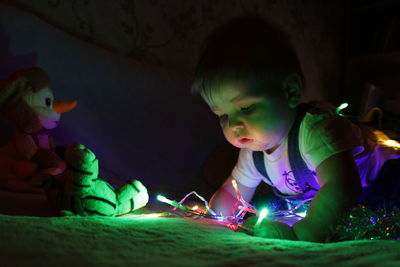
<point>340,189</point>
<point>225,197</point>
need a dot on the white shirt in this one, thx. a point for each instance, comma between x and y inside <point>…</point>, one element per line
<point>321,135</point>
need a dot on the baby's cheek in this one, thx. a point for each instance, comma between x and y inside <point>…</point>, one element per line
<point>272,124</point>
<point>260,121</point>
<point>229,136</point>
<point>259,127</point>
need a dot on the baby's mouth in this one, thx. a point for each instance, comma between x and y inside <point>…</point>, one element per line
<point>245,140</point>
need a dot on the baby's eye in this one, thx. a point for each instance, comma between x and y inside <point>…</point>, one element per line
<point>48,102</point>
<point>248,108</point>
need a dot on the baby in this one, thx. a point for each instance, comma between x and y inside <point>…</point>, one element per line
<point>250,77</point>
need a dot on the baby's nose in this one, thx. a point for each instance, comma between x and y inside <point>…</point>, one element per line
<point>235,124</point>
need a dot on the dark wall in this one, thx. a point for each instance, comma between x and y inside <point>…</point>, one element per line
<point>129,65</point>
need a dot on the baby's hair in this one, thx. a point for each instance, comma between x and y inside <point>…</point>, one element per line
<point>245,49</point>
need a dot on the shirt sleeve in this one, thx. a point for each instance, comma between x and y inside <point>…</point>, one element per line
<point>245,172</point>
<point>324,135</point>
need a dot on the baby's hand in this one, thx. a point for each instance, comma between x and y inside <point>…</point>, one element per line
<point>268,229</point>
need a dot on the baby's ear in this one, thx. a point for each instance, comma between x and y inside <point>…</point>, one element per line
<point>292,86</point>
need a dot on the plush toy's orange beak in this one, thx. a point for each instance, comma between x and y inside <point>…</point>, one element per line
<point>64,106</point>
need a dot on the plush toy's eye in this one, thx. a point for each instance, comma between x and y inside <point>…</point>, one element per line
<point>48,101</point>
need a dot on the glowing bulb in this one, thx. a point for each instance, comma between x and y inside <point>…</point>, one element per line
<point>172,203</point>
<point>343,106</point>
<point>392,143</point>
<point>263,214</point>
<point>161,198</point>
<point>164,199</point>
<point>220,218</point>
<point>302,214</point>
<point>195,207</point>
<point>234,183</point>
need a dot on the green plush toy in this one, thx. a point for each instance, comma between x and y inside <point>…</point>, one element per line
<point>79,191</point>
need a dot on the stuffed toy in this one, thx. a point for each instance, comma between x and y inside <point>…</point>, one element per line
<point>31,162</point>
<point>27,100</point>
<point>79,191</point>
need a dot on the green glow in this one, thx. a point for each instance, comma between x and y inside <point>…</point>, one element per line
<point>342,106</point>
<point>173,203</point>
<point>164,199</point>
<point>263,214</point>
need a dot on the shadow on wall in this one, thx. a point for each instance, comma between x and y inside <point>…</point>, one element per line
<point>140,120</point>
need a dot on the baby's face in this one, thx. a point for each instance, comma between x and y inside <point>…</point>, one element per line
<point>249,120</point>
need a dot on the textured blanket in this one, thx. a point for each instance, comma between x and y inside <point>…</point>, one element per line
<point>142,240</point>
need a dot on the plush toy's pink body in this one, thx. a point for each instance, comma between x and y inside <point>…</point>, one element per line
<point>26,100</point>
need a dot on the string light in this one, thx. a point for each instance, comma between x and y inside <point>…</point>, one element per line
<point>192,211</point>
<point>392,143</point>
<point>164,199</point>
<point>361,223</point>
<point>233,221</point>
<point>384,140</point>
<point>341,107</point>
<point>242,205</point>
<point>173,203</point>
<point>302,214</point>
<point>263,214</point>
<point>201,198</point>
